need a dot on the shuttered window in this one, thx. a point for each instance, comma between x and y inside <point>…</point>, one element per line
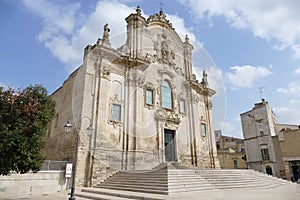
<point>265,154</point>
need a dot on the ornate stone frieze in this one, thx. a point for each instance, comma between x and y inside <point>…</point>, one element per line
<point>173,117</point>
<point>167,116</point>
<point>164,53</point>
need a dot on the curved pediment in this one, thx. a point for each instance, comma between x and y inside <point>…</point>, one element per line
<point>160,19</point>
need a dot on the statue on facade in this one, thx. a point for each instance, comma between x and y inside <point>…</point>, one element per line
<point>204,81</point>
<point>106,30</point>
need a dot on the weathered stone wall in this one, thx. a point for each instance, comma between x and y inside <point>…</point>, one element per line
<point>226,159</point>
<point>289,143</point>
<point>258,129</point>
<point>43,182</point>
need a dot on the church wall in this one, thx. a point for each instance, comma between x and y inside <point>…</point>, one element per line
<point>111,79</point>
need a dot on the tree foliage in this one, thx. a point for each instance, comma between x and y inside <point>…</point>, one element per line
<point>24,115</point>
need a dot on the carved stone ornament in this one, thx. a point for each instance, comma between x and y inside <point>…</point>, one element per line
<point>105,73</point>
<point>150,58</point>
<point>115,124</point>
<point>149,85</point>
<point>196,99</point>
<point>173,117</point>
<point>140,81</point>
<point>167,116</point>
<point>210,104</point>
<point>164,54</point>
<point>167,72</point>
<point>160,115</point>
<point>161,17</point>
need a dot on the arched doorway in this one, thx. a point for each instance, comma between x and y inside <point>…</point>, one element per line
<point>269,170</point>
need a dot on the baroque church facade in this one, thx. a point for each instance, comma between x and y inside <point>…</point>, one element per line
<point>143,101</point>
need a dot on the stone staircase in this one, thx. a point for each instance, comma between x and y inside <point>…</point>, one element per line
<point>242,179</point>
<point>168,179</point>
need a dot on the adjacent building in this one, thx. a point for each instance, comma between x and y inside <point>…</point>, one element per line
<point>142,100</point>
<point>271,147</point>
<point>231,151</point>
<point>289,141</point>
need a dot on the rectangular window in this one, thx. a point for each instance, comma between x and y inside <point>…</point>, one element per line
<point>203,129</point>
<point>149,97</point>
<point>265,154</point>
<point>235,164</point>
<point>182,106</point>
<point>116,112</point>
<point>166,95</point>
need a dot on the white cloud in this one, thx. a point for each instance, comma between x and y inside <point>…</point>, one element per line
<point>294,101</point>
<point>292,88</point>
<point>181,29</point>
<point>297,71</point>
<point>57,18</point>
<point>228,129</point>
<point>296,50</point>
<point>67,30</point>
<point>268,19</point>
<point>245,76</point>
<point>288,115</point>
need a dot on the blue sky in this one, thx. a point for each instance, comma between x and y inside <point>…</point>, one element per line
<point>249,44</point>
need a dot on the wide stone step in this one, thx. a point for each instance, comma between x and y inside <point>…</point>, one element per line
<point>114,194</point>
<point>136,184</point>
<point>191,187</point>
<point>138,181</point>
<point>139,177</point>
<point>98,196</point>
<point>245,186</point>
<point>169,180</point>
<point>153,182</point>
<point>137,189</point>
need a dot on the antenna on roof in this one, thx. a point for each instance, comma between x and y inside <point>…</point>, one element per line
<point>161,5</point>
<point>261,90</point>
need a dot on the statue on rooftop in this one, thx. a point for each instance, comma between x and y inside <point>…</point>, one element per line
<point>204,81</point>
<point>106,30</point>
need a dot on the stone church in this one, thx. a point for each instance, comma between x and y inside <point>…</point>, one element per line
<point>142,100</point>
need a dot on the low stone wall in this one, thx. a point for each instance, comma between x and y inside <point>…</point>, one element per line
<point>43,182</point>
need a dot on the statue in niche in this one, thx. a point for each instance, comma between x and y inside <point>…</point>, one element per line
<point>105,36</point>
